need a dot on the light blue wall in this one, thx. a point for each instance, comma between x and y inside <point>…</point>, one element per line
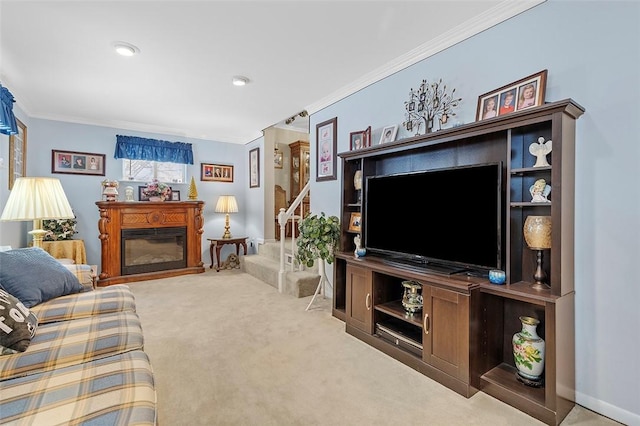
<point>83,191</point>
<point>592,52</point>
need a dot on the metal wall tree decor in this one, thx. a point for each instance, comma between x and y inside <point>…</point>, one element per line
<point>428,103</point>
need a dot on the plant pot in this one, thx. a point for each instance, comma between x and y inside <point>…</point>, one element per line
<point>156,198</point>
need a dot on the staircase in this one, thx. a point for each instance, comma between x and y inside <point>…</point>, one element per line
<point>275,262</point>
<point>266,267</point>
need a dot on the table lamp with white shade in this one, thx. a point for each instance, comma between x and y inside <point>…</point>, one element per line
<point>37,198</point>
<point>226,204</point>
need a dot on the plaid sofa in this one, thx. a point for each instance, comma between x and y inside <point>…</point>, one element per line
<point>84,366</point>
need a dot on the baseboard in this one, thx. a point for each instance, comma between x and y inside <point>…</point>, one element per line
<point>605,409</point>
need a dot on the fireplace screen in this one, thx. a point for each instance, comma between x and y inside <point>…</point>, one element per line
<point>153,249</point>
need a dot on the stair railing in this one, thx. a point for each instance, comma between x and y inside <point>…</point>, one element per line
<point>283,218</point>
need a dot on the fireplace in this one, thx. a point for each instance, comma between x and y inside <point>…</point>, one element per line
<point>144,240</point>
<point>154,249</point>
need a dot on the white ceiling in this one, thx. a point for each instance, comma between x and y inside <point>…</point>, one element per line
<point>56,57</point>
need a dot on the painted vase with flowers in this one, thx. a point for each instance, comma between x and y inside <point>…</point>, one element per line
<point>157,191</point>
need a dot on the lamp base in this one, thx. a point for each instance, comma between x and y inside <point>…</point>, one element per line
<point>38,233</point>
<point>539,276</point>
<point>227,233</point>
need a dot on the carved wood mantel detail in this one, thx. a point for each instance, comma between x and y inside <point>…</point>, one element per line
<point>116,216</point>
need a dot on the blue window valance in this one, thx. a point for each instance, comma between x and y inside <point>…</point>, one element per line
<point>135,148</point>
<point>8,124</point>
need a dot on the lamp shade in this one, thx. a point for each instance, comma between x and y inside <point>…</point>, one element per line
<point>227,204</point>
<point>537,232</point>
<point>34,198</point>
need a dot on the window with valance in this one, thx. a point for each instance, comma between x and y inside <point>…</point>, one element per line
<point>136,148</point>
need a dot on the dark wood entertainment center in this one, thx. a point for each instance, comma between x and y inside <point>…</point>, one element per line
<point>462,336</point>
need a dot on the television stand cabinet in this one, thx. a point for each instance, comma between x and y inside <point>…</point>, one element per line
<point>462,336</point>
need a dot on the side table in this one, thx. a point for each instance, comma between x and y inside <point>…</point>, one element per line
<point>217,244</point>
<point>67,249</point>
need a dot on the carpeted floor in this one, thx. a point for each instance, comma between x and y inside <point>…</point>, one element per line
<point>228,349</point>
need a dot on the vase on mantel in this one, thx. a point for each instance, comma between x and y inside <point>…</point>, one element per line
<point>528,352</point>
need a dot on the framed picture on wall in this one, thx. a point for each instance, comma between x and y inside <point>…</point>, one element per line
<point>216,172</point>
<point>326,147</point>
<point>77,163</point>
<point>17,154</point>
<point>254,168</point>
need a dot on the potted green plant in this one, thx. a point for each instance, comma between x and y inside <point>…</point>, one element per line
<point>318,239</point>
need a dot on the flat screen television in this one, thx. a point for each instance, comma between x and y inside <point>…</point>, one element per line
<point>447,220</point>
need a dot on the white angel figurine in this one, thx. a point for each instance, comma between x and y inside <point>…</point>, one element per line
<point>540,150</point>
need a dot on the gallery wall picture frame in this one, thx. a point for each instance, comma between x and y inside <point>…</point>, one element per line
<point>326,149</point>
<point>517,96</point>
<point>210,172</point>
<point>254,168</point>
<point>77,163</point>
<point>388,134</point>
<point>18,154</point>
<point>355,222</point>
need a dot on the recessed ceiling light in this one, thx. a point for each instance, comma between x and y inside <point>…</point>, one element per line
<point>125,49</point>
<point>239,80</point>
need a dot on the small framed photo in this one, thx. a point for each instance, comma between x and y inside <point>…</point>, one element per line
<point>175,195</point>
<point>360,139</point>
<point>277,159</point>
<point>327,145</point>
<point>254,168</point>
<point>141,194</point>
<point>516,96</point>
<point>216,172</point>
<point>77,163</point>
<point>354,222</point>
<point>388,134</point>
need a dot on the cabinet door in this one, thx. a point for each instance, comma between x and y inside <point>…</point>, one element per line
<point>359,298</point>
<point>446,331</point>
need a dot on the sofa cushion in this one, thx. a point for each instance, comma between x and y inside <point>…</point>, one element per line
<point>17,324</point>
<point>64,343</point>
<point>34,276</point>
<point>115,298</point>
<point>116,390</point>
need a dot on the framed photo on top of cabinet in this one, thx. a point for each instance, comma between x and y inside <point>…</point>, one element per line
<point>17,154</point>
<point>516,96</point>
<point>326,147</point>
<point>360,139</point>
<point>77,163</point>
<point>388,134</point>
<point>254,168</point>
<point>354,222</point>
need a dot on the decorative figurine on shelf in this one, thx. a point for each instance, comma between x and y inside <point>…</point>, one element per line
<point>359,251</point>
<point>110,190</point>
<point>428,103</point>
<point>193,191</point>
<point>128,193</point>
<point>540,150</point>
<point>411,299</point>
<point>540,191</point>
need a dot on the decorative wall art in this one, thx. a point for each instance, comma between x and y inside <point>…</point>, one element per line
<point>516,96</point>
<point>388,134</point>
<point>77,163</point>
<point>360,139</point>
<point>277,159</point>
<point>428,103</point>
<point>18,154</point>
<point>216,172</point>
<point>326,148</point>
<point>254,168</point>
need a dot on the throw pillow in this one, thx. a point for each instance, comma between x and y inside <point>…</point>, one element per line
<point>34,276</point>
<point>17,325</point>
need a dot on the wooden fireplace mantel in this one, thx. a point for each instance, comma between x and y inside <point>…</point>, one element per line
<point>116,216</point>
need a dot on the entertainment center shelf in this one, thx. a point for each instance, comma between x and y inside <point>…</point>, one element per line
<point>462,336</point>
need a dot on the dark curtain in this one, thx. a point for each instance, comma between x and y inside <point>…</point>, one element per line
<point>135,148</point>
<point>8,124</point>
